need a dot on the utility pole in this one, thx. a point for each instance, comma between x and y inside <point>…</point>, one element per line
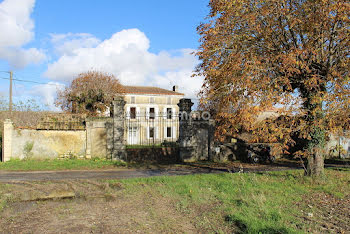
<point>10,102</point>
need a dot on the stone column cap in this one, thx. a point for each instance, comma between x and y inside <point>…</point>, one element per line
<point>185,104</point>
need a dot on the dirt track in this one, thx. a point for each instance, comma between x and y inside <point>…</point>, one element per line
<point>98,174</point>
<point>124,173</point>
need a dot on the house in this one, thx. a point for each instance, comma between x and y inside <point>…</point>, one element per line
<point>151,114</point>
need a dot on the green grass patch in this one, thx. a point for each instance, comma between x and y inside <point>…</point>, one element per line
<point>252,203</point>
<point>59,164</point>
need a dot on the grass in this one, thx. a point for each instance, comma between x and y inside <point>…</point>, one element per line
<point>252,203</point>
<point>270,202</point>
<point>58,164</point>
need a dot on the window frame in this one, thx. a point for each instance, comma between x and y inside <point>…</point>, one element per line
<point>169,114</point>
<point>167,132</point>
<point>151,130</point>
<point>150,113</point>
<point>133,115</point>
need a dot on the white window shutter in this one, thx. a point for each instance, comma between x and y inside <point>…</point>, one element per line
<point>156,132</point>
<point>173,134</point>
<point>173,113</point>
<point>156,112</point>
<point>138,114</point>
<point>147,112</point>
<point>147,132</point>
<point>164,113</point>
<point>128,112</point>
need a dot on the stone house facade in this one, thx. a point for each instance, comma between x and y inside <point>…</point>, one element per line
<point>151,114</point>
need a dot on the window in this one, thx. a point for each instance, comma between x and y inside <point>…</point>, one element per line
<point>151,113</point>
<point>132,112</point>
<point>168,101</point>
<point>151,132</point>
<point>169,113</point>
<point>132,100</point>
<point>151,100</point>
<point>133,133</point>
<point>168,132</point>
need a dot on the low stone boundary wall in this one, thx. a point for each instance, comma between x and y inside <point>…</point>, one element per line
<point>31,143</point>
<point>94,140</point>
<point>159,155</point>
<point>239,151</point>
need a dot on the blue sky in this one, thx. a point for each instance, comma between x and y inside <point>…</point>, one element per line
<point>141,42</point>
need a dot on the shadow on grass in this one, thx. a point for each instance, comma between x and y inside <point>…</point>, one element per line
<point>244,226</point>
<point>333,168</point>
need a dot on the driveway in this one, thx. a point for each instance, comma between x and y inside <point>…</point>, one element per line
<point>121,173</point>
<point>9,176</point>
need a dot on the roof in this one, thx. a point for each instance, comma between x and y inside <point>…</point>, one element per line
<point>148,90</point>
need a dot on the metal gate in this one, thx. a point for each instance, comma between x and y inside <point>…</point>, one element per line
<point>151,129</point>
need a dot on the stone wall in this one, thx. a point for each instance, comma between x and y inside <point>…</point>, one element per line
<point>157,155</point>
<point>196,135</point>
<point>31,143</point>
<point>91,141</point>
<point>105,138</point>
<point>98,141</point>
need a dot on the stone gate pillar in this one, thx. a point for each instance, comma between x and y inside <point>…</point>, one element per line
<point>196,139</point>
<point>7,140</point>
<point>187,148</point>
<point>118,147</point>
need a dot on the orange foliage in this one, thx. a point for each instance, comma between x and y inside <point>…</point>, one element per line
<point>256,54</point>
<point>90,93</point>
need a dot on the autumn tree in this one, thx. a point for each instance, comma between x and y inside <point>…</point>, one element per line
<point>294,54</point>
<point>89,93</point>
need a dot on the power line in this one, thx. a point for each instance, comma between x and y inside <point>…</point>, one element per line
<point>11,80</point>
<point>31,81</point>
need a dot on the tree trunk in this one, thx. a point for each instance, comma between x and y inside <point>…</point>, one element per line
<point>315,163</point>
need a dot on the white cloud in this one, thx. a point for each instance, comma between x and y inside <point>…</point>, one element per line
<point>20,58</point>
<point>188,85</point>
<point>17,27</point>
<point>66,44</point>
<point>126,54</point>
<point>48,93</point>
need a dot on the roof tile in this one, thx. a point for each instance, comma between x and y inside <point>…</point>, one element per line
<point>148,90</point>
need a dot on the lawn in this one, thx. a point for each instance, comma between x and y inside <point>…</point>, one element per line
<point>270,202</point>
<point>274,202</point>
<point>59,164</point>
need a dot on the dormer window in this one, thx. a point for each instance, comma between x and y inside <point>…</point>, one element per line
<point>132,100</point>
<point>168,102</point>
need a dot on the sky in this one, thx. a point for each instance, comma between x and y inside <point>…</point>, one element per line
<point>141,42</point>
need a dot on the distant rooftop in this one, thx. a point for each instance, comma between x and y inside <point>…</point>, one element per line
<point>149,90</point>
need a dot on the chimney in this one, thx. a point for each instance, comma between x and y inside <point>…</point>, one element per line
<point>175,88</point>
